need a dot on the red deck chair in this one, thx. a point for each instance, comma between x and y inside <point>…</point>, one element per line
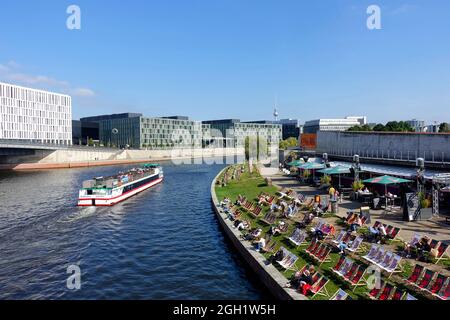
<point>389,230</point>
<point>358,276</point>
<point>373,294</point>
<point>319,251</point>
<point>426,279</point>
<point>438,284</point>
<point>445,294</point>
<point>414,277</point>
<point>398,294</point>
<point>434,243</point>
<point>324,255</point>
<point>318,288</point>
<point>316,248</point>
<point>394,233</point>
<point>339,263</point>
<point>312,245</point>
<point>386,293</point>
<point>442,249</point>
<point>352,272</point>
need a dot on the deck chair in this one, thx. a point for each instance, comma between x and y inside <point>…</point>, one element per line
<point>426,279</point>
<point>269,218</point>
<point>351,272</point>
<point>270,245</point>
<point>339,237</point>
<point>256,211</point>
<point>284,228</point>
<point>438,284</point>
<point>387,258</point>
<point>415,275</point>
<point>319,287</point>
<point>386,292</point>
<point>340,295</point>
<point>444,293</point>
<point>323,256</point>
<point>298,237</point>
<point>312,247</point>
<point>394,265</point>
<point>375,292</point>
<point>379,256</point>
<point>358,278</point>
<point>344,268</point>
<point>355,246</point>
<point>318,251</point>
<point>394,232</point>
<point>398,294</point>
<point>442,252</point>
<point>372,253</point>
<point>289,259</point>
<point>339,263</point>
<point>415,239</point>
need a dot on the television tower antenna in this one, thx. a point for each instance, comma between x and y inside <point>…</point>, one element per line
<point>275,110</point>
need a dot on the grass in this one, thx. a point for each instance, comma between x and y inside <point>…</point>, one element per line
<point>251,185</point>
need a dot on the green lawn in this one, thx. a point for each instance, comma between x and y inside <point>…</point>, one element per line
<point>251,185</point>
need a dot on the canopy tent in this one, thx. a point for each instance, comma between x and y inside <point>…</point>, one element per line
<point>335,170</point>
<point>386,180</point>
<point>295,163</point>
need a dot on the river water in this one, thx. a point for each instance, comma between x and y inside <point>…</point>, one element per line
<point>164,243</point>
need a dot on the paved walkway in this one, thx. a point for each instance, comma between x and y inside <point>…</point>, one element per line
<point>436,228</point>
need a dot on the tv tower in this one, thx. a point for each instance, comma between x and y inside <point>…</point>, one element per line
<point>275,110</point>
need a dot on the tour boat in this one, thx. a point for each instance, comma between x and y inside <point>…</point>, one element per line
<point>107,191</point>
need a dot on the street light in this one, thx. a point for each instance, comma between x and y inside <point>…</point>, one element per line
<point>356,166</point>
<point>115,131</point>
<point>420,164</point>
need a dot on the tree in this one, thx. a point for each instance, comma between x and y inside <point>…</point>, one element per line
<point>90,142</point>
<point>379,127</point>
<point>288,143</point>
<point>444,127</point>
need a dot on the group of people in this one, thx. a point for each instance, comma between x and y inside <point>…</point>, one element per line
<point>421,249</point>
<point>354,222</point>
<point>302,280</point>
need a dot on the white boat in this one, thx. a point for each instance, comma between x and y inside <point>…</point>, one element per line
<point>107,191</point>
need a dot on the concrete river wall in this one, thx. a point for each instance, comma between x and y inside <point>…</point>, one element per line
<point>76,158</point>
<point>267,273</point>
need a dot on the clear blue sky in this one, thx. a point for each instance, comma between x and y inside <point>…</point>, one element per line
<point>230,58</point>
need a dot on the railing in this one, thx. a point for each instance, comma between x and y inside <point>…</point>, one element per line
<point>408,156</point>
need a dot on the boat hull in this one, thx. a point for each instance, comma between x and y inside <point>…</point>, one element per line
<point>110,201</point>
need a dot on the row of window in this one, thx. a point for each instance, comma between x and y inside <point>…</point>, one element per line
<point>19,93</point>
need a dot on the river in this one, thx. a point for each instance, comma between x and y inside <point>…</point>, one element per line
<point>164,243</point>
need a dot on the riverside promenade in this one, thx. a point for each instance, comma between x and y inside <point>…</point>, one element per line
<point>267,273</point>
<point>437,228</point>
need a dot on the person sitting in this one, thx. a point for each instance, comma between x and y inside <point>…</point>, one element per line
<point>377,234</point>
<point>342,246</point>
<point>260,243</point>
<point>253,234</point>
<point>354,222</point>
<point>297,277</point>
<point>276,230</point>
<point>316,234</point>
<point>307,219</point>
<point>423,247</point>
<point>305,282</point>
<point>225,202</point>
<point>241,225</point>
<point>278,256</point>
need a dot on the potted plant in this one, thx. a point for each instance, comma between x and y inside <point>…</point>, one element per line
<point>356,186</point>
<point>325,180</point>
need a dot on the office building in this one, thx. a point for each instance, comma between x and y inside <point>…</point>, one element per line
<point>35,116</point>
<point>417,125</point>
<point>313,126</point>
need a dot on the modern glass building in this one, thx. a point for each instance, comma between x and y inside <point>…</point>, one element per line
<point>35,116</point>
<point>138,132</point>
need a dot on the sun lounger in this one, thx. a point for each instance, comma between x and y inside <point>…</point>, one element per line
<point>444,293</point>
<point>426,279</point>
<point>344,267</point>
<point>394,265</point>
<point>442,252</point>
<point>437,285</point>
<point>339,237</point>
<point>416,274</point>
<point>355,246</point>
<point>398,294</point>
<point>269,218</point>
<point>372,253</point>
<point>319,287</point>
<point>339,264</point>
<point>256,211</point>
<point>298,237</point>
<point>386,292</point>
<point>340,295</point>
<point>288,260</point>
<point>375,292</point>
<point>358,278</point>
<point>270,245</point>
<point>313,246</point>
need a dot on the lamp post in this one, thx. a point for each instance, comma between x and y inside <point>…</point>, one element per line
<point>420,164</point>
<point>356,166</point>
<point>115,131</point>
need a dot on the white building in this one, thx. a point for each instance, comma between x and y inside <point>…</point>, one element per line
<point>344,124</point>
<point>417,125</point>
<point>35,116</point>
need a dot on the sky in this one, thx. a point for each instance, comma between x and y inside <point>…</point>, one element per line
<point>215,59</point>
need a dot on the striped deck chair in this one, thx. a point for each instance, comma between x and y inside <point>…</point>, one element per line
<point>338,239</point>
<point>269,218</point>
<point>324,256</point>
<point>318,250</point>
<point>394,265</point>
<point>442,252</point>
<point>358,278</point>
<point>444,293</point>
<point>313,246</point>
<point>289,259</point>
<point>386,292</point>
<point>355,246</point>
<point>387,258</point>
<point>351,272</point>
<point>426,279</point>
<point>344,268</point>
<point>398,294</point>
<point>372,253</point>
<point>339,263</point>
<point>415,239</point>
<point>415,275</point>
<point>270,245</point>
<point>256,211</point>
<point>437,285</point>
<point>393,233</point>
<point>375,292</point>
<point>340,295</point>
<point>298,237</point>
<point>319,287</point>
<point>379,256</point>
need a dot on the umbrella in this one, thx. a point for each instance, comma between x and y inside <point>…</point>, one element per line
<point>386,180</point>
<point>336,170</point>
<point>311,166</point>
<point>295,163</point>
